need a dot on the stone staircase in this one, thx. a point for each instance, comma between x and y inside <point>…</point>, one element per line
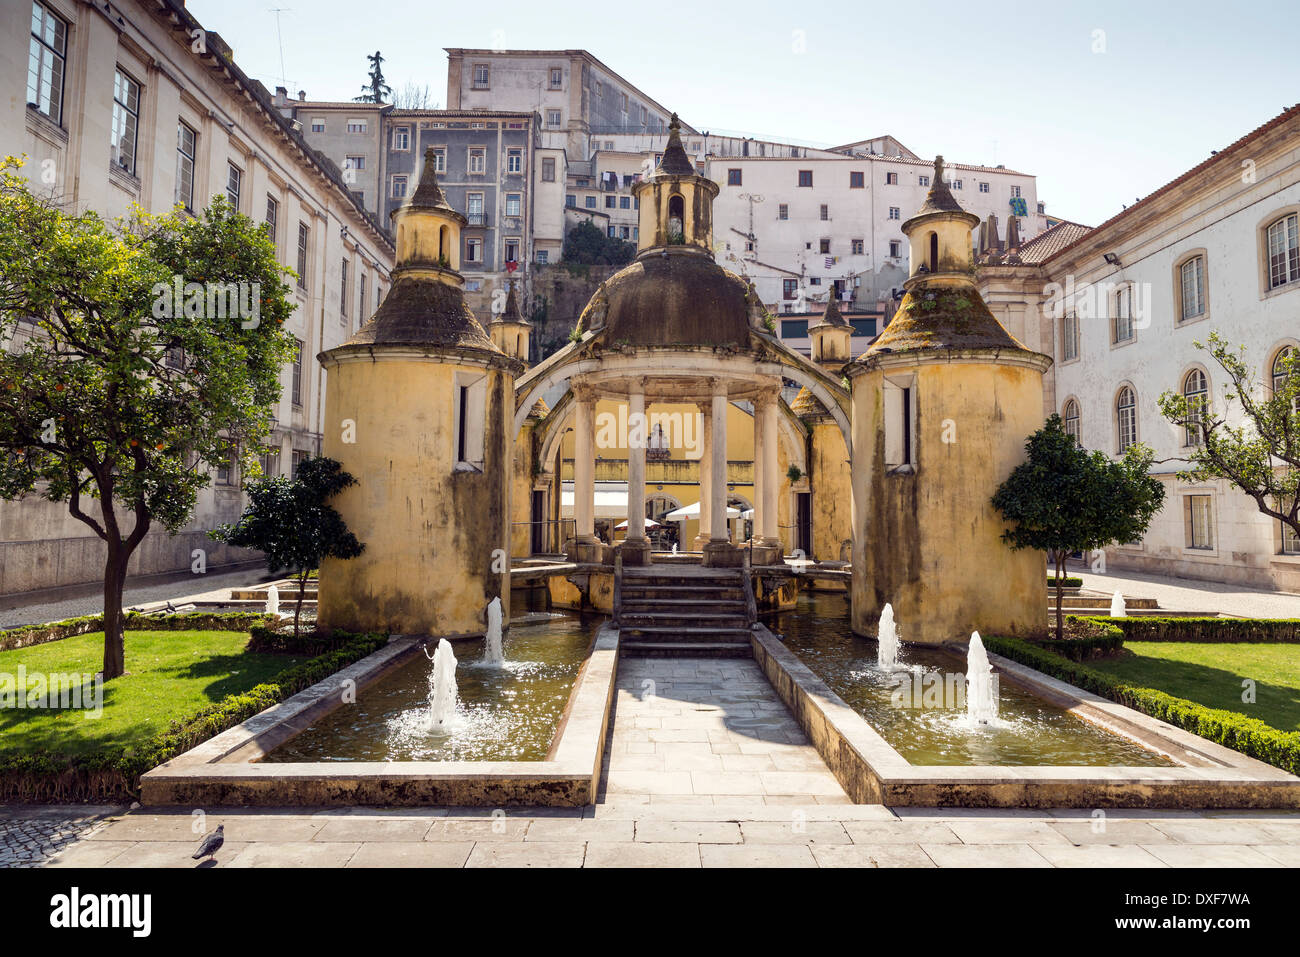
<point>684,611</point>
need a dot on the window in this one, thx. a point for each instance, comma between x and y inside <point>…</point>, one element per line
<point>1196,394</point>
<point>553,118</point>
<point>1284,251</point>
<point>1015,192</point>
<point>1290,541</point>
<point>270,461</point>
<point>1191,286</point>
<point>895,213</point>
<point>790,288</point>
<point>548,169</point>
<point>1197,520</point>
<point>361,295</point>
<point>611,202</point>
<point>1069,337</point>
<point>734,177</point>
<point>512,250</point>
<point>343,291</point>
<point>514,203</point>
<point>303,233</point>
<point>470,419</point>
<point>543,256</point>
<point>482,76</point>
<point>356,126</point>
<point>625,202</point>
<point>590,202</point>
<point>401,138</point>
<point>570,200</point>
<point>477,161</point>
<point>299,456</point>
<point>295,390</point>
<point>1071,418</point>
<point>896,248</point>
<point>126,120</point>
<point>609,231</point>
<point>354,162</point>
<point>923,180</point>
<point>956,184</point>
<point>600,89</point>
<point>273,220</point>
<point>1125,419</point>
<point>824,246</point>
<point>185,144</point>
<point>891,179</point>
<point>805,177</point>
<point>623,101</point>
<point>794,329</point>
<point>440,160</point>
<point>899,416</point>
<point>557,77</point>
<point>984,188</point>
<point>45,62</point>
<point>1121,323</point>
<point>515,161</point>
<point>474,209</point>
<point>645,116</point>
<point>1277,370</point>
<point>234,182</point>
<point>857,246</point>
<point>783,211</point>
<point>226,469</point>
<point>824,212</point>
<point>474,250</point>
<point>399,187</point>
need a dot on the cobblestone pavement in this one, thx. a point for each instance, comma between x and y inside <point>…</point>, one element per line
<point>1186,594</point>
<point>212,587</point>
<point>704,768</point>
<point>30,836</point>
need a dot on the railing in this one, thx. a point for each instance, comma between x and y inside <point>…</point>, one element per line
<point>477,219</point>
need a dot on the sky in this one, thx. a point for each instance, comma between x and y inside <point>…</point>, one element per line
<point>1102,101</point>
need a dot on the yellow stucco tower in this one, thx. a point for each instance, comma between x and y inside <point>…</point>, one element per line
<point>942,402</point>
<point>418,409</point>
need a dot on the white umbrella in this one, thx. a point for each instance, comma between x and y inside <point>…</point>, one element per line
<point>693,511</point>
<point>649,523</point>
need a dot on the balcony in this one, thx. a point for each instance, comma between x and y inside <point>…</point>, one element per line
<point>477,219</point>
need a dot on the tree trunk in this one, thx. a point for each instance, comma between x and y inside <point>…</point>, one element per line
<point>1058,558</point>
<point>114,620</point>
<point>297,609</point>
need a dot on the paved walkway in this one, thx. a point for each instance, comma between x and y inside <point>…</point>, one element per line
<point>704,767</point>
<point>1189,594</point>
<point>214,587</point>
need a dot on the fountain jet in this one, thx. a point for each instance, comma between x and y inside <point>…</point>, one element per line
<point>442,685</point>
<point>887,640</point>
<point>981,702</point>
<point>273,601</point>
<point>492,651</point>
<point>1117,609</point>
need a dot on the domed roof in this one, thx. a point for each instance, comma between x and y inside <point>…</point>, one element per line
<point>805,404</point>
<point>679,299</point>
<point>942,317</point>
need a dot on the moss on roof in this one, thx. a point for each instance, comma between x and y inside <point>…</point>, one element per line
<point>942,317</point>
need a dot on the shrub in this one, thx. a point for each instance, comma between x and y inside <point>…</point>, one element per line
<point>30,635</point>
<point>1151,628</point>
<point>1066,582</point>
<point>1250,736</point>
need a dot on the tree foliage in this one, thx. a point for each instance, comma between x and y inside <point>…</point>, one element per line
<point>586,244</point>
<point>376,89</point>
<point>115,391</point>
<point>1261,456</point>
<point>1065,498</point>
<point>292,522</point>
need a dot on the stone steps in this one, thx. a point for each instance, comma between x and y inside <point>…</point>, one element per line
<point>683,612</point>
<point>684,649</point>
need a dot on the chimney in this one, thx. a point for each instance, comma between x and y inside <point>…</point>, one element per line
<point>302,96</point>
<point>281,95</point>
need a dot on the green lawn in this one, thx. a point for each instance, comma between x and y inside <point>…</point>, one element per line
<point>170,675</point>
<point>1211,674</point>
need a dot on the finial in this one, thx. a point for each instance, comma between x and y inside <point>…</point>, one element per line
<point>938,169</point>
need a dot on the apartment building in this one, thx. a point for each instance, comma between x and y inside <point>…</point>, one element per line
<point>577,96</point>
<point>138,103</point>
<point>1121,308</point>
<point>349,134</point>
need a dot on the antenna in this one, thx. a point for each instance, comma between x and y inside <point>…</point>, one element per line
<point>280,39</point>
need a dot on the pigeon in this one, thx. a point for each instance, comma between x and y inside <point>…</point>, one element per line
<point>212,843</point>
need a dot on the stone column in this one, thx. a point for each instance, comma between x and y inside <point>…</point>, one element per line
<point>760,470</point>
<point>706,471</point>
<point>584,466</point>
<point>718,528</point>
<point>636,549</point>
<point>767,412</point>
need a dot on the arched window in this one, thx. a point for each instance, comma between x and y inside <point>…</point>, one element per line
<point>1283,239</point>
<point>1071,418</point>
<point>1277,372</point>
<point>1125,418</point>
<point>444,235</point>
<point>1196,394</point>
<point>934,252</point>
<point>676,219</point>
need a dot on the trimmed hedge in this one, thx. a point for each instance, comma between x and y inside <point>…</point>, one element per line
<point>30,635</point>
<point>1067,581</point>
<point>1264,630</point>
<point>112,775</point>
<point>1250,736</point>
<point>268,641</point>
<point>1089,638</point>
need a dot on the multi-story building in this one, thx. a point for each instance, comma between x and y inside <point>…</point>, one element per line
<point>349,134</point>
<point>138,103</point>
<point>1122,307</point>
<point>578,97</point>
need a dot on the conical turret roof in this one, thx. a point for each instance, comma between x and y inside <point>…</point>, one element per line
<point>831,316</point>
<point>428,194</point>
<point>675,162</point>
